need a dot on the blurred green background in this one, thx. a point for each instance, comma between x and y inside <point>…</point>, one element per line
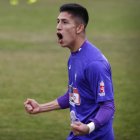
<point>33,65</point>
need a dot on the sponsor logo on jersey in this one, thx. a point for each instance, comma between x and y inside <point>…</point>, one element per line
<point>74,96</point>
<point>102,89</point>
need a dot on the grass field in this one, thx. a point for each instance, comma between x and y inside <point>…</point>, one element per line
<point>33,65</point>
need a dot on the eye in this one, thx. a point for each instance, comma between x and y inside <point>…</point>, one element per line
<point>58,21</point>
<point>65,22</point>
<point>62,21</point>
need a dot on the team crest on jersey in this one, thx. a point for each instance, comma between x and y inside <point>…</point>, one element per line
<point>102,89</point>
<point>74,96</point>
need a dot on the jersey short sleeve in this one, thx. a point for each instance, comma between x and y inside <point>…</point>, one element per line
<point>98,75</point>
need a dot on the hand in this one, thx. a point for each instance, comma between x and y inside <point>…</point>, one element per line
<point>32,106</point>
<point>79,128</point>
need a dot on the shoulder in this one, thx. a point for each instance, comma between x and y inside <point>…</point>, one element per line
<point>91,47</point>
<point>95,65</point>
<point>98,66</point>
<point>92,53</point>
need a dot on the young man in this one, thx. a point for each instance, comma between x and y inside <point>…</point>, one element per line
<point>90,88</point>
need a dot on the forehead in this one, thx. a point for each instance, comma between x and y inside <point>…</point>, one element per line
<point>65,15</point>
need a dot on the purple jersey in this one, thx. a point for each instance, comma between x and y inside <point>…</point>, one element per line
<point>90,92</point>
<point>90,82</point>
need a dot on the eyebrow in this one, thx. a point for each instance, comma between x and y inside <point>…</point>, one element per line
<point>62,19</point>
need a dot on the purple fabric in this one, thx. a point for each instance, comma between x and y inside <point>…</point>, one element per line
<point>63,101</point>
<point>104,114</point>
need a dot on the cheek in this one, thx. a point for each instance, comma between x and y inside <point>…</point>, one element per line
<point>71,34</point>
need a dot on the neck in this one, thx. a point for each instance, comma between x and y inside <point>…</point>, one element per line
<point>77,44</point>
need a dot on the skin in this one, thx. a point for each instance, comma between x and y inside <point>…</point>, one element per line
<point>73,33</point>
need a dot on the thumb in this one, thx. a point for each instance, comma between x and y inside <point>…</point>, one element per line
<point>28,101</point>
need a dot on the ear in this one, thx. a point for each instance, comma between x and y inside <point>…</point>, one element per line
<point>80,28</point>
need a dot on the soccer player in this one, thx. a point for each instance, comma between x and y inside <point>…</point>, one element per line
<point>90,96</point>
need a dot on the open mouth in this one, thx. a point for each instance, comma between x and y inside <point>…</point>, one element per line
<point>60,36</point>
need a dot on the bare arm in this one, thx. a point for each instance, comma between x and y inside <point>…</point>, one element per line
<point>53,105</point>
<point>33,107</point>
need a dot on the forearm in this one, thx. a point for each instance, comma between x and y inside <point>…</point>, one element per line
<point>104,114</point>
<point>50,106</point>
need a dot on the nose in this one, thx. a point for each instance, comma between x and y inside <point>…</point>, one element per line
<point>59,26</point>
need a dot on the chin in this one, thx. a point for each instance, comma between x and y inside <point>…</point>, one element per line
<point>63,45</point>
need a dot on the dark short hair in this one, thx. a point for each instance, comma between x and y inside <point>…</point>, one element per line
<point>76,10</point>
